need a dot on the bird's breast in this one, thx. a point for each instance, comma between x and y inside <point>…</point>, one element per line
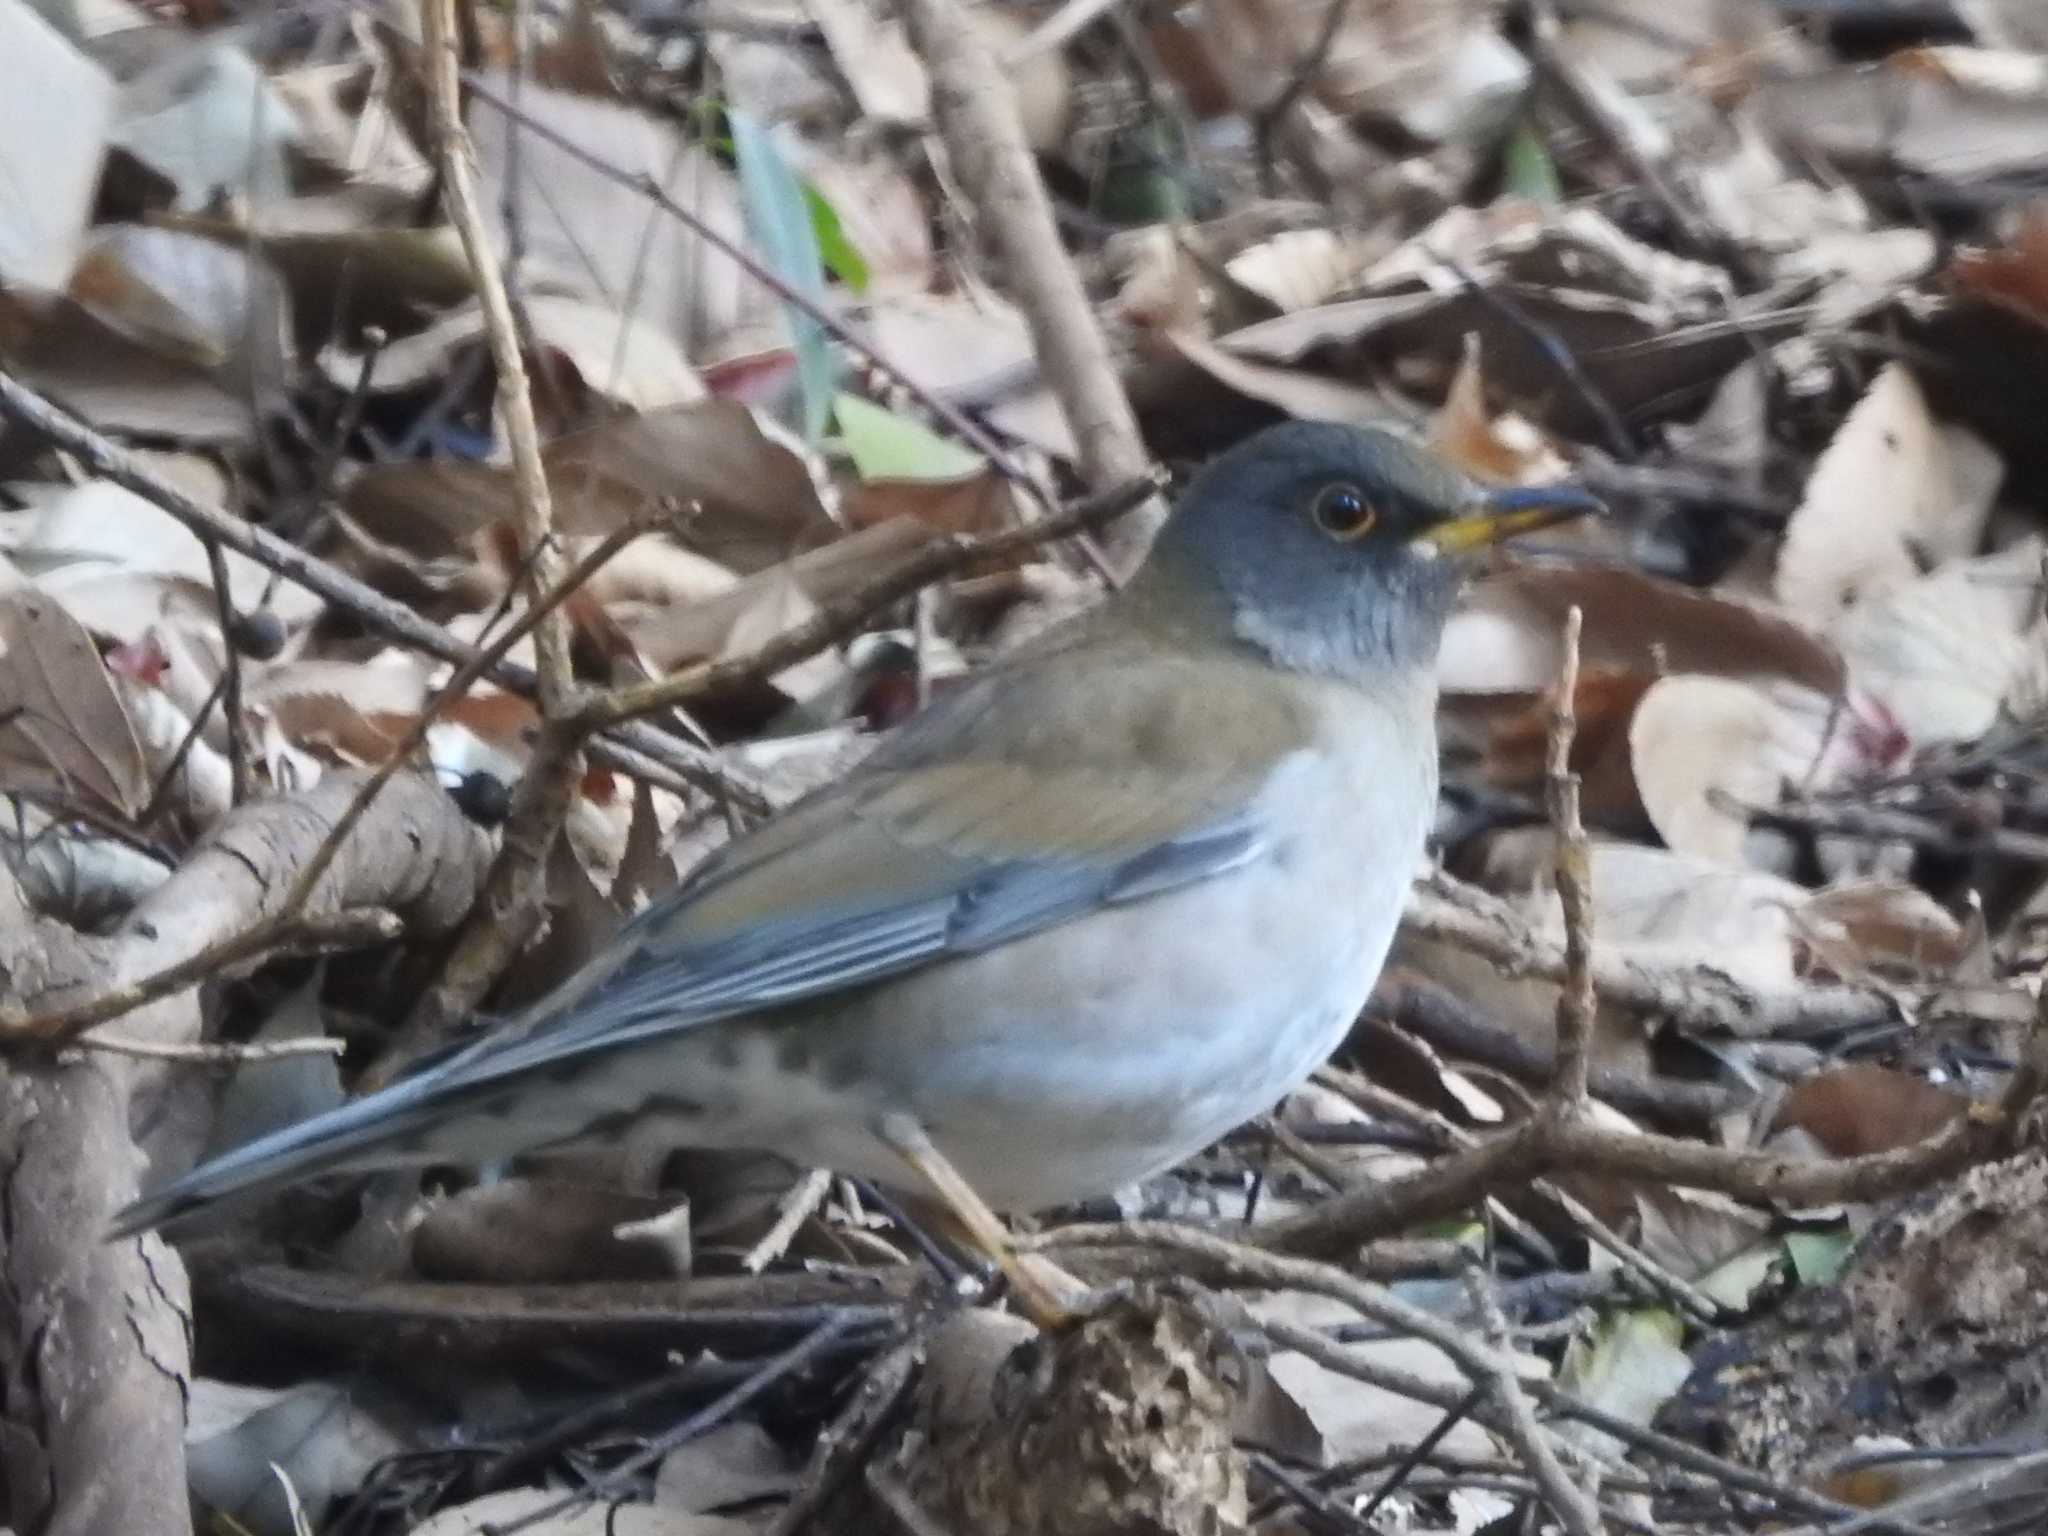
<point>1097,1053</point>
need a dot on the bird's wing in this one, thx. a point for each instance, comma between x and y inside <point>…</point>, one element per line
<point>1024,802</point>
<point>932,849</point>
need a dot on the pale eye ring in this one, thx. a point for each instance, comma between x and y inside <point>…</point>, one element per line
<point>1343,512</point>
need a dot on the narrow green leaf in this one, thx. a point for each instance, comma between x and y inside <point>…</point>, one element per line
<point>779,218</point>
<point>1527,169</point>
<point>886,446</point>
<point>842,257</point>
<point>1817,1256</point>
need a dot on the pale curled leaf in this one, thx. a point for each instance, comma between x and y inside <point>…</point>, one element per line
<point>1704,747</point>
<point>1884,503</point>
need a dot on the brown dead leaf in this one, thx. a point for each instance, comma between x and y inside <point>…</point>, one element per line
<point>1498,450</point>
<point>1883,925</point>
<point>975,503</point>
<point>1507,635</point>
<point>65,727</point>
<point>2013,275</point>
<point>537,1232</point>
<point>755,499</point>
<point>1860,1108</point>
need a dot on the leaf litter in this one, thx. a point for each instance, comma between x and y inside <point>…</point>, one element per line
<point>1774,290</point>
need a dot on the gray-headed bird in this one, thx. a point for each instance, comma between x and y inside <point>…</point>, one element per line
<point>1113,897</point>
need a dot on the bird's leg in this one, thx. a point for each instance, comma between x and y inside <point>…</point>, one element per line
<point>1048,1295</point>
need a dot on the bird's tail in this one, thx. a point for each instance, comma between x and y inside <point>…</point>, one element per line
<point>377,1131</point>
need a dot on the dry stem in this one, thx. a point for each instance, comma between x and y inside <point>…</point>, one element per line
<point>1575,1003</point>
<point>975,108</point>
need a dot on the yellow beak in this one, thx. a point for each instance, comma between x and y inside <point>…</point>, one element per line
<point>1494,515</point>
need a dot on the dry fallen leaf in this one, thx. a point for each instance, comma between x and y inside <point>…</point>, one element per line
<point>1883,504</point>
<point>1942,652</point>
<point>65,728</point>
<point>1695,738</point>
<point>1860,1107</point>
<point>1499,450</point>
<point>1507,635</point>
<point>754,498</point>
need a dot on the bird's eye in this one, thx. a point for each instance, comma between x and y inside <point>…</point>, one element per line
<point>1342,512</point>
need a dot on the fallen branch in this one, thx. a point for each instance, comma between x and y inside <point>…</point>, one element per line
<point>943,556</point>
<point>975,108</point>
<point>79,1314</point>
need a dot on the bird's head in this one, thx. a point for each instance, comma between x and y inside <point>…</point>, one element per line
<point>1333,549</point>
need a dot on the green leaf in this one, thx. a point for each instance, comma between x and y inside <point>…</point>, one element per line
<point>842,258</point>
<point>886,446</point>
<point>1817,1256</point>
<point>779,219</point>
<point>1527,169</point>
<point>1630,1366</point>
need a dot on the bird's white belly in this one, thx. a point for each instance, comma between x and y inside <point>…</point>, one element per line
<point>1079,1060</point>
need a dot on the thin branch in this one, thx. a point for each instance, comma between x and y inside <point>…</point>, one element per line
<point>942,556</point>
<point>230,678</point>
<point>620,1478</point>
<point>636,749</point>
<point>845,1444</point>
<point>1266,120</point>
<point>341,930</point>
<point>458,684</point>
<point>974,105</point>
<point>454,158</point>
<point>1566,1499</point>
<point>211,1054</point>
<point>1576,1004</point>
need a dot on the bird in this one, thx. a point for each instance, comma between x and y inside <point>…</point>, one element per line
<point>1121,891</point>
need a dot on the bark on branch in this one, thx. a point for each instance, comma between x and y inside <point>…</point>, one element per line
<point>94,1357</point>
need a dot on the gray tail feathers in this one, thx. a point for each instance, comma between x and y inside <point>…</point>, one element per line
<point>369,1133</point>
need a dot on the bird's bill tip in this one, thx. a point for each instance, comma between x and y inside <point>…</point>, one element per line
<point>1503,513</point>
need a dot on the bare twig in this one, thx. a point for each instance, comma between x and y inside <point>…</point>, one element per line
<point>636,749</point>
<point>230,677</point>
<point>340,930</point>
<point>894,1496</point>
<point>211,1053</point>
<point>791,1212</point>
<point>1518,1421</point>
<point>1267,119</point>
<point>458,684</point>
<point>941,557</point>
<point>1575,1003</point>
<point>974,105</point>
<point>1441,1018</point>
<point>770,1371</point>
<point>845,1444</point>
<point>454,158</point>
